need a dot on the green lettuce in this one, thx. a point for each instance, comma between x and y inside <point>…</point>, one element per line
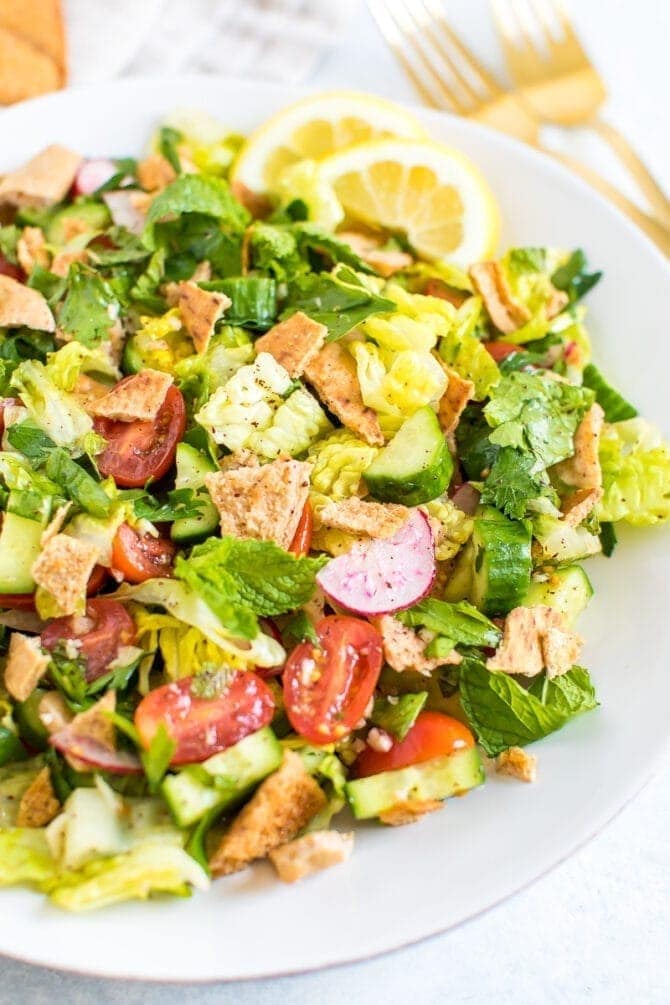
<point>25,858</point>
<point>253,300</point>
<point>636,474</point>
<point>56,412</point>
<point>340,300</point>
<point>194,193</point>
<point>90,308</point>
<point>511,484</point>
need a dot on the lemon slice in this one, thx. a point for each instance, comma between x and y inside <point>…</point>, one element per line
<point>315,127</point>
<point>431,193</point>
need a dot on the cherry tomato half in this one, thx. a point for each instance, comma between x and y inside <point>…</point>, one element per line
<point>140,556</point>
<point>26,601</point>
<point>500,350</point>
<point>102,631</point>
<point>8,268</point>
<point>327,687</point>
<point>201,727</point>
<point>432,735</point>
<point>137,451</point>
<point>302,539</point>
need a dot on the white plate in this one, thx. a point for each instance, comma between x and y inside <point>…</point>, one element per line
<point>404,884</point>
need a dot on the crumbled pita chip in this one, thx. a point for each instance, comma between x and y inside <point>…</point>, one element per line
<point>536,638</point>
<point>369,248</point>
<point>282,805</point>
<point>262,503</point>
<point>139,399</point>
<point>506,313</point>
<point>63,569</point>
<point>409,811</point>
<point>200,310</point>
<point>258,205</point>
<point>39,22</point>
<point>405,650</point>
<point>332,374</point>
<point>311,853</point>
<point>517,763</point>
<point>577,506</point>
<point>155,173</point>
<point>31,249</point>
<point>95,723</point>
<point>39,804</point>
<point>44,180</point>
<point>452,403</point>
<point>25,71</point>
<point>55,524</point>
<point>583,469</point>
<point>26,665</point>
<point>20,305</point>
<point>354,516</point>
<point>54,712</point>
<point>294,342</point>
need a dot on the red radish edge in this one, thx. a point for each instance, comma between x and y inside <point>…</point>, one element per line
<point>386,574</point>
<point>92,174</point>
<point>466,497</point>
<point>96,754</point>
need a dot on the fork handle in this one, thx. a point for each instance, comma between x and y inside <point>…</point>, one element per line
<point>635,166</point>
<point>652,227</point>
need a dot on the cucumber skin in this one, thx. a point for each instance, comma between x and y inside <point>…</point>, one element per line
<point>425,484</point>
<point>438,778</point>
<point>502,562</point>
<point>20,546</point>
<point>192,466</point>
<point>132,361</point>
<point>94,214</point>
<point>568,591</point>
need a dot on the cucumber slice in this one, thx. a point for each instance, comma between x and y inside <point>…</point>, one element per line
<point>439,778</point>
<point>223,779</point>
<point>614,405</point>
<point>568,591</point>
<point>19,548</point>
<point>459,584</point>
<point>416,466</point>
<point>192,466</point>
<point>502,562</point>
<point>91,216</point>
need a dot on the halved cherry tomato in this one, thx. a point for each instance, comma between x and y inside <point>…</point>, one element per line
<point>101,632</point>
<point>201,727</point>
<point>26,601</point>
<point>500,350</point>
<point>302,539</point>
<point>140,556</point>
<point>438,288</point>
<point>8,268</point>
<point>432,735</point>
<point>137,451</point>
<point>327,687</point>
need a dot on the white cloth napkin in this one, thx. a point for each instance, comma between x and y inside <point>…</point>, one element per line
<point>273,39</point>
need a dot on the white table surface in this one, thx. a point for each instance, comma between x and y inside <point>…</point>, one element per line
<point>597,928</point>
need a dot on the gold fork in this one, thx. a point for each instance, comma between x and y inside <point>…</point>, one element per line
<point>447,75</point>
<point>555,75</point>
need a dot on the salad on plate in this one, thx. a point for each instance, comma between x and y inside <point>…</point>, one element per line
<point>298,477</point>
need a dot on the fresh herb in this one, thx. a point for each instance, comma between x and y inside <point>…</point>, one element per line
<point>90,307</point>
<point>156,760</point>
<point>69,675</point>
<point>144,292</point>
<point>121,247</point>
<point>9,238</point>
<point>524,260</point>
<point>179,504</point>
<point>77,484</point>
<point>298,628</point>
<point>397,716</point>
<point>168,141</point>
<point>30,441</point>
<point>608,539</point>
<point>253,300</point>
<point>504,714</point>
<point>461,623</point>
<point>510,484</point>
<point>573,277</point>
<point>614,405</point>
<point>338,299</point>
<point>11,748</point>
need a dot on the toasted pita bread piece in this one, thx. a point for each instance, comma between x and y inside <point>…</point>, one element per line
<point>577,506</point>
<point>25,71</point>
<point>332,374</point>
<point>517,763</point>
<point>31,249</point>
<point>39,22</point>
<point>44,180</point>
<point>372,519</point>
<point>452,403</point>
<point>39,804</point>
<point>139,398</point>
<point>20,305</point>
<point>536,638</point>
<point>200,310</point>
<point>294,343</point>
<point>63,569</point>
<point>583,469</point>
<point>262,503</point>
<point>155,173</point>
<point>369,248</point>
<point>409,811</point>
<point>26,665</point>
<point>491,284</point>
<point>405,650</point>
<point>311,853</point>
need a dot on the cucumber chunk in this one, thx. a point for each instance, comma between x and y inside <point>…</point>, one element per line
<point>415,466</point>
<point>192,466</point>
<point>19,548</point>
<point>568,591</point>
<point>90,216</point>
<point>438,778</point>
<point>502,562</point>
<point>223,779</point>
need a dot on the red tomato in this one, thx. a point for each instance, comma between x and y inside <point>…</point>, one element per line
<point>137,451</point>
<point>26,601</point>
<point>102,631</point>
<point>327,687</point>
<point>201,727</point>
<point>438,288</point>
<point>8,268</point>
<point>302,539</point>
<point>432,735</point>
<point>500,350</point>
<point>141,556</point>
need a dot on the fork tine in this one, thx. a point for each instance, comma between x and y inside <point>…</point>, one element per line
<point>393,37</point>
<point>478,70</point>
<point>566,24</point>
<point>425,24</point>
<point>543,20</point>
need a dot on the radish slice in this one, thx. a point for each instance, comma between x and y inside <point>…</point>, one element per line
<point>95,754</point>
<point>92,174</point>
<point>124,214</point>
<point>386,574</point>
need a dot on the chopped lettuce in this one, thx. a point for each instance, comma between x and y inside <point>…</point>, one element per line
<point>184,649</point>
<point>461,349</point>
<point>297,423</point>
<point>56,412</point>
<point>25,858</point>
<point>397,384</point>
<point>399,715</point>
<point>202,140</point>
<point>636,473</point>
<point>74,359</point>
<point>90,308</point>
<point>193,193</point>
<point>253,300</point>
<point>339,462</point>
<point>340,300</point>
<point>303,181</point>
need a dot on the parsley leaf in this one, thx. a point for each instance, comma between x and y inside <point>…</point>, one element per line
<point>461,623</point>
<point>510,484</point>
<point>297,629</point>
<point>89,308</point>
<point>573,278</point>
<point>504,714</point>
<point>338,299</point>
<point>397,719</point>
<point>179,504</point>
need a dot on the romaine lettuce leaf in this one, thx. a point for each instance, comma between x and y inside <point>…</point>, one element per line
<point>636,474</point>
<point>194,193</point>
<point>397,384</point>
<point>340,300</point>
<point>339,462</point>
<point>25,858</point>
<point>90,308</point>
<point>56,412</point>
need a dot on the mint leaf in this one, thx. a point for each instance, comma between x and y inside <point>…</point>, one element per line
<point>336,299</point>
<point>179,504</point>
<point>298,629</point>
<point>89,309</point>
<point>504,714</point>
<point>461,623</point>
<point>510,484</point>
<point>397,719</point>
<point>573,277</point>
<point>194,193</point>
<point>242,579</point>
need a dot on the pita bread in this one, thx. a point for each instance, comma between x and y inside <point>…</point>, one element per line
<point>19,305</point>
<point>25,71</point>
<point>44,180</point>
<point>39,22</point>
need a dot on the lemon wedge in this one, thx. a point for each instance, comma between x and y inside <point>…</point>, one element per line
<point>316,127</point>
<point>431,193</point>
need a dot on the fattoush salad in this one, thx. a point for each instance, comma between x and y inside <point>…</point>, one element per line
<point>298,477</point>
